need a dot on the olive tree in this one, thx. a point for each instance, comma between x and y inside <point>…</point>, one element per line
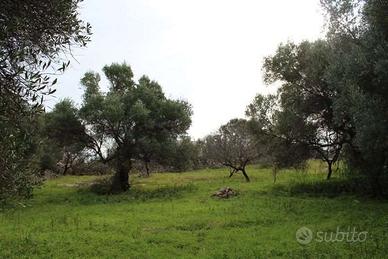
<point>120,120</point>
<point>358,34</point>
<point>64,129</point>
<point>233,146</point>
<point>306,96</point>
<point>333,92</point>
<point>34,36</point>
<point>276,143</point>
<point>182,154</point>
<point>35,39</point>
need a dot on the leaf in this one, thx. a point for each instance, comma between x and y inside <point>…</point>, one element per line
<point>40,88</point>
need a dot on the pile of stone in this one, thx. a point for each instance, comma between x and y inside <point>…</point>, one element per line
<point>225,193</point>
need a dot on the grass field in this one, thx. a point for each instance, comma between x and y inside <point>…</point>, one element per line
<point>173,216</point>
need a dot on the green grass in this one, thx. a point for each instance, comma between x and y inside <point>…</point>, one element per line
<point>172,215</point>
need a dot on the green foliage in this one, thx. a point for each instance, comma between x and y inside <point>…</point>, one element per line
<point>233,146</point>
<point>333,94</point>
<point>276,140</point>
<point>64,130</point>
<point>119,76</point>
<point>30,47</point>
<point>33,35</point>
<point>132,120</point>
<point>184,155</point>
<point>17,170</point>
<point>358,72</point>
<point>63,125</point>
<point>48,155</point>
<point>305,114</point>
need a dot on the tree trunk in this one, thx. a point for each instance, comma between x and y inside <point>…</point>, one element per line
<point>147,168</point>
<point>120,180</point>
<point>375,175</point>
<point>275,171</point>
<point>232,171</point>
<point>65,169</point>
<point>245,175</point>
<point>330,170</point>
<point>66,162</point>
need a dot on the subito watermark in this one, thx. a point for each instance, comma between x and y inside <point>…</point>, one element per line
<point>305,235</point>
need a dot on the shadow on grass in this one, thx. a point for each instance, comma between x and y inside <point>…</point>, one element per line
<point>139,194</point>
<point>83,195</point>
<point>104,187</point>
<point>164,192</point>
<point>357,186</point>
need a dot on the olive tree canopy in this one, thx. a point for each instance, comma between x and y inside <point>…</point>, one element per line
<point>125,121</point>
<point>233,146</point>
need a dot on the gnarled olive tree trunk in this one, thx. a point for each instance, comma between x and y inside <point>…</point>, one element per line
<point>245,174</point>
<point>120,181</point>
<point>237,169</point>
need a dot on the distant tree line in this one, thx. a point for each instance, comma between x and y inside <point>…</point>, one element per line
<point>132,121</point>
<point>331,103</point>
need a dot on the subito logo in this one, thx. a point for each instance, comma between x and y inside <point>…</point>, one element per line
<point>304,236</point>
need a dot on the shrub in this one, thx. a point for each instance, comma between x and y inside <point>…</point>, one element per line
<point>102,186</point>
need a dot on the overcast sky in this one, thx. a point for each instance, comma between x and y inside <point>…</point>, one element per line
<point>208,52</point>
